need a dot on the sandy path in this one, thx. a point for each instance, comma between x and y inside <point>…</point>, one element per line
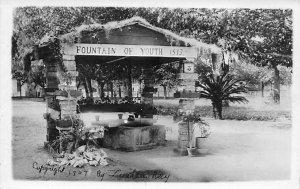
<point>238,150</point>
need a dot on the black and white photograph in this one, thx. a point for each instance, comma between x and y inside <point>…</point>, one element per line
<point>149,94</point>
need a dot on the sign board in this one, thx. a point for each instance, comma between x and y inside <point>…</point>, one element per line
<point>129,50</point>
<point>189,68</point>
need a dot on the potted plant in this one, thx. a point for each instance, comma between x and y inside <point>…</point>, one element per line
<point>201,140</point>
<point>193,122</point>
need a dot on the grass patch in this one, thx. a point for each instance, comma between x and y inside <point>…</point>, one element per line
<point>242,113</point>
<point>230,113</point>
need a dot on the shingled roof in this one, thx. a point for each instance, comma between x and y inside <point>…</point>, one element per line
<point>135,20</point>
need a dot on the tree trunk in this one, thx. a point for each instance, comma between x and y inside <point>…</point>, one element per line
<point>120,93</point>
<point>219,110</point>
<point>262,89</point>
<point>86,89</point>
<point>102,89</point>
<point>165,91</point>
<point>20,87</point>
<point>129,81</point>
<point>89,86</point>
<point>111,90</point>
<point>220,113</point>
<point>125,87</point>
<point>276,85</point>
<point>214,110</point>
<point>225,103</point>
<point>99,89</point>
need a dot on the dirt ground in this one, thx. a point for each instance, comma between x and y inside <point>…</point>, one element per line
<point>238,151</point>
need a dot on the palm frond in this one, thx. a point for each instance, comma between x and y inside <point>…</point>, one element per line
<point>238,99</point>
<point>218,88</point>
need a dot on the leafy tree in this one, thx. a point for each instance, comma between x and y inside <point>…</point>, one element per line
<point>37,75</point>
<point>220,88</point>
<point>285,75</point>
<point>87,72</point>
<point>202,69</point>
<point>236,30</point>
<point>21,78</point>
<point>253,75</point>
<point>262,36</point>
<point>166,76</point>
<point>32,23</point>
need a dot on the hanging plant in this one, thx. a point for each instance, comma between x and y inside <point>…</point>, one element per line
<point>54,104</point>
<point>70,38</point>
<point>107,33</point>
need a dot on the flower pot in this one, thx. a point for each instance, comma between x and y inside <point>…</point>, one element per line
<point>120,116</point>
<point>46,116</point>
<point>130,118</point>
<point>201,142</point>
<point>54,114</point>
<point>202,151</point>
<point>192,151</point>
<point>63,123</point>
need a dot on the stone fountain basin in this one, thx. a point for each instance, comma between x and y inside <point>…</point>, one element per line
<point>132,138</point>
<point>138,122</point>
<point>140,134</point>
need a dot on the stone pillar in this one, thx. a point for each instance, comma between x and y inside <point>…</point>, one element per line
<point>187,77</point>
<point>188,81</point>
<point>68,101</point>
<point>183,135</point>
<point>53,110</point>
<point>147,93</point>
<point>61,96</point>
<point>185,128</point>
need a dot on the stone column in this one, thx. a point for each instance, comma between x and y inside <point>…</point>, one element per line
<point>68,101</point>
<point>53,110</point>
<point>185,129</point>
<point>61,96</point>
<point>147,93</point>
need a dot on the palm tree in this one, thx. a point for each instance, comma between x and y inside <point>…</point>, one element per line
<point>219,88</point>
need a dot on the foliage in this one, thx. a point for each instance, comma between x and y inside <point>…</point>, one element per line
<point>221,88</point>
<point>261,36</point>
<point>232,29</point>
<point>32,23</point>
<point>54,104</point>
<point>245,114</point>
<point>21,77</point>
<point>229,113</point>
<point>194,122</point>
<point>253,75</point>
<point>202,69</point>
<point>37,75</point>
<point>285,74</point>
<point>166,75</point>
<point>75,137</point>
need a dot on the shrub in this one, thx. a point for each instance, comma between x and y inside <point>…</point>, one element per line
<point>231,113</point>
<point>220,89</point>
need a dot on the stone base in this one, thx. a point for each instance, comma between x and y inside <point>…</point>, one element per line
<point>49,148</point>
<point>181,151</point>
<point>135,138</point>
